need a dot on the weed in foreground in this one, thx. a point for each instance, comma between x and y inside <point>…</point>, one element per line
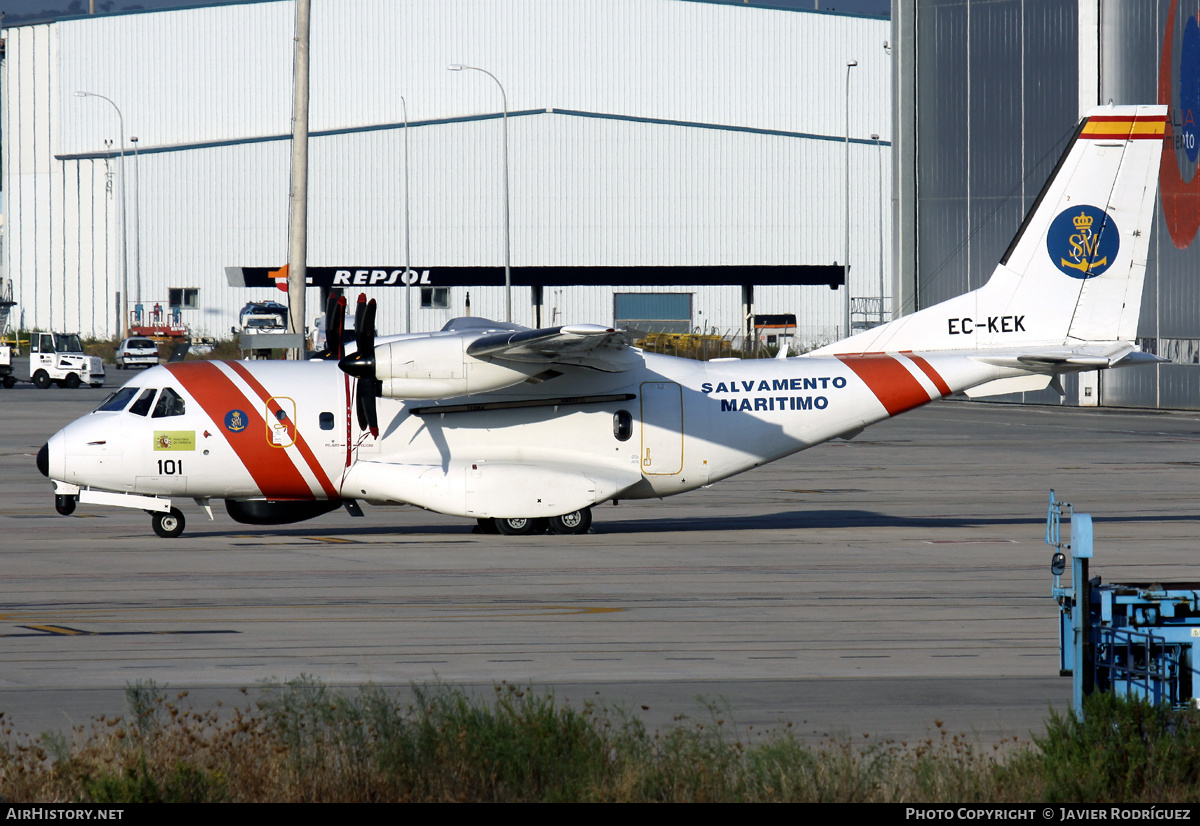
<point>1123,751</point>
<point>304,741</point>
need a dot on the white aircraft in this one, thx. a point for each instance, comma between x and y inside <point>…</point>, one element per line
<point>528,429</point>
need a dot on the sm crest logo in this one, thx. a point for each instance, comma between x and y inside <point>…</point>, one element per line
<point>235,421</point>
<point>1083,241</point>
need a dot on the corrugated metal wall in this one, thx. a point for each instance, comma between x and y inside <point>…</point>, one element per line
<point>682,133</point>
<point>1132,39</point>
<point>996,100</point>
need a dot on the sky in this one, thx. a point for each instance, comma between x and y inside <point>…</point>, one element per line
<point>35,11</point>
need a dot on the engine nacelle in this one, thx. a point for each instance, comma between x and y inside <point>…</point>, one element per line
<point>438,367</point>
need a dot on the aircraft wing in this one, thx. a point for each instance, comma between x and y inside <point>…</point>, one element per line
<point>581,345</point>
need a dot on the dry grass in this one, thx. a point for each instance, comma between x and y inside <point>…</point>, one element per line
<point>305,743</point>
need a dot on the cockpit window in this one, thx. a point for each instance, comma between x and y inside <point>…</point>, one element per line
<point>142,406</point>
<point>117,401</point>
<point>170,403</point>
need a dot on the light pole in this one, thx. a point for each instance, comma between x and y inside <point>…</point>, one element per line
<point>879,159</point>
<point>458,67</point>
<point>850,64</point>
<point>407,231</point>
<point>124,227</point>
<point>137,221</point>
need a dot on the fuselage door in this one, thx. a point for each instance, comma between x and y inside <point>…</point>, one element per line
<point>662,428</point>
<point>281,421</point>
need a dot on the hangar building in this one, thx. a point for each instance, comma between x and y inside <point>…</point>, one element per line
<point>672,162</point>
<point>987,96</point>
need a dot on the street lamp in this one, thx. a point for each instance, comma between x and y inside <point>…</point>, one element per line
<point>124,226</point>
<point>458,67</point>
<point>879,159</point>
<point>137,221</point>
<point>850,64</point>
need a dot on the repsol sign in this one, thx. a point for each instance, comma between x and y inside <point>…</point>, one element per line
<point>379,278</point>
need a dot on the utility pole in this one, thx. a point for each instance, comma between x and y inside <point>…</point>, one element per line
<point>298,237</point>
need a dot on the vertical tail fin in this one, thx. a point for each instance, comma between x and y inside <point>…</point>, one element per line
<point>1075,269</point>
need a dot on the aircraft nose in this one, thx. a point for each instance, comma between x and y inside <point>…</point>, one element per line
<point>52,458</point>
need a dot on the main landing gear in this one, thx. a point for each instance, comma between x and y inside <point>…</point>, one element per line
<point>576,522</point>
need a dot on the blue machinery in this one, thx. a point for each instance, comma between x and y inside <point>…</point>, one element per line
<point>1135,640</point>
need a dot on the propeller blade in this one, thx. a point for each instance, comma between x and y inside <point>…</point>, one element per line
<point>365,328</point>
<point>360,404</point>
<point>359,309</point>
<point>371,410</point>
<point>361,365</point>
<point>335,327</point>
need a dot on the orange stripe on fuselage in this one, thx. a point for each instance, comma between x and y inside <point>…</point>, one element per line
<point>928,370</point>
<point>302,445</point>
<point>271,469</point>
<point>896,388</point>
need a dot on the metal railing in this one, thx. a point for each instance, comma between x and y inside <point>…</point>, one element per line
<point>1138,664</point>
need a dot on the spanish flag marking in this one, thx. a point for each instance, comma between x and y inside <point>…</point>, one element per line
<point>1104,127</point>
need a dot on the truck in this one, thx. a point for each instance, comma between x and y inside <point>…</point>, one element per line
<point>259,317</point>
<point>264,327</point>
<point>59,358</point>
<point>6,372</point>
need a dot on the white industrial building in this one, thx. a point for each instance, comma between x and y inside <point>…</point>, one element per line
<point>656,146</point>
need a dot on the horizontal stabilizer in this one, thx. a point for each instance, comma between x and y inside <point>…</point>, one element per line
<point>1095,356</point>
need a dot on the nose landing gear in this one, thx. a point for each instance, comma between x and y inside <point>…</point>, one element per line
<point>64,504</point>
<point>168,525</point>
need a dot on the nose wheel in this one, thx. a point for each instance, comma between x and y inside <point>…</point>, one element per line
<point>168,525</point>
<point>64,504</point>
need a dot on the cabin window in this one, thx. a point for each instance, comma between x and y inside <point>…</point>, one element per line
<point>142,406</point>
<point>622,425</point>
<point>117,401</point>
<point>170,403</point>
<point>326,421</point>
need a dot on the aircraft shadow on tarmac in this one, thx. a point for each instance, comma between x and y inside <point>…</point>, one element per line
<point>786,520</point>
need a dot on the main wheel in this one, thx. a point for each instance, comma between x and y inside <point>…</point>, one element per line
<point>572,523</point>
<point>64,504</point>
<point>168,525</point>
<point>41,379</point>
<point>520,526</point>
<point>487,526</point>
<point>70,382</point>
